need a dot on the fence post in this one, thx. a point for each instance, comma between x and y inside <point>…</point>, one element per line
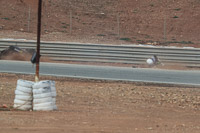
<point>38,40</point>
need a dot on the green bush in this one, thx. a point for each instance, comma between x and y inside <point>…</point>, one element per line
<point>175,17</point>
<point>126,39</point>
<point>177,9</point>
<point>6,18</point>
<point>101,35</point>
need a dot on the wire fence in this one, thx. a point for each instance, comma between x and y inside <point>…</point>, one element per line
<point>130,27</point>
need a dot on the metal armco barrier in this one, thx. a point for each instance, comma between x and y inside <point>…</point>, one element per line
<point>127,54</point>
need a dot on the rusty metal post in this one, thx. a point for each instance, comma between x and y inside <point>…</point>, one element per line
<point>38,40</point>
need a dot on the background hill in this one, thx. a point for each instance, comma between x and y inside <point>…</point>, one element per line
<point>157,22</point>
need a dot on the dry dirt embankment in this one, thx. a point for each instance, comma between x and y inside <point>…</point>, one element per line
<point>101,106</point>
<point>165,22</point>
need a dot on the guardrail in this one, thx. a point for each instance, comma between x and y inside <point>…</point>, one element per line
<point>127,54</point>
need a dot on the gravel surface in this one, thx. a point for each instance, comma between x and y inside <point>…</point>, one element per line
<point>104,107</point>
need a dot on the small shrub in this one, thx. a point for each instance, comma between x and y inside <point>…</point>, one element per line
<point>101,35</point>
<point>186,42</point>
<point>125,39</point>
<point>175,17</point>
<point>64,26</point>
<point>135,11</point>
<point>177,9</point>
<point>6,18</point>
<point>152,5</point>
<point>180,42</point>
<point>140,41</point>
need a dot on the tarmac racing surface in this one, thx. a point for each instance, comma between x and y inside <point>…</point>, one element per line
<point>178,77</point>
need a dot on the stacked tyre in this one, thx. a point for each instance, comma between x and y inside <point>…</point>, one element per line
<point>53,92</point>
<point>23,95</point>
<point>44,96</point>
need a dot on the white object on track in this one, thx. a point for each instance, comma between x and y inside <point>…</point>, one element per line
<point>150,62</point>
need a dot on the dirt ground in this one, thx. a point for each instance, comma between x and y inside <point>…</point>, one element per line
<point>96,106</point>
<point>153,22</point>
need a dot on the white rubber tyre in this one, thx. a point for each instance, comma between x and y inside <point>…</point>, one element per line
<point>54,100</point>
<point>50,108</point>
<point>25,83</point>
<point>53,83</point>
<point>23,107</point>
<point>42,90</point>
<point>55,107</point>
<point>47,104</point>
<point>23,98</point>
<point>21,102</point>
<point>17,92</point>
<point>50,81</point>
<point>44,95</point>
<point>53,89</point>
<point>24,89</point>
<point>42,84</point>
<point>53,94</point>
<point>42,100</point>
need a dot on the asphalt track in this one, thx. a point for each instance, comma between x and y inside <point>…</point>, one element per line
<point>178,77</point>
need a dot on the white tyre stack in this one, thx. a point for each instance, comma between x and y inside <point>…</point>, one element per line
<point>44,96</point>
<point>23,95</point>
<point>53,92</point>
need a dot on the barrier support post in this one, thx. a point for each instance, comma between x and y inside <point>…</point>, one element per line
<point>38,40</point>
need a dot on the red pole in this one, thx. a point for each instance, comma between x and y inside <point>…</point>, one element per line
<point>38,40</point>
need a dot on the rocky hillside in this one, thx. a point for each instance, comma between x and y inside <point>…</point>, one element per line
<point>157,22</point>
